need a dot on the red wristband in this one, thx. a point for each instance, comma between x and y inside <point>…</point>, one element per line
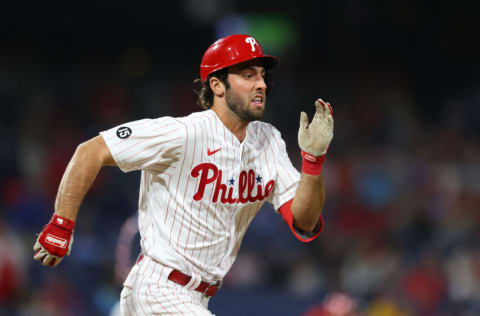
<point>312,164</point>
<point>62,222</point>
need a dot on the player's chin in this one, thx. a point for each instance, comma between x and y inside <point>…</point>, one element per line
<point>256,112</point>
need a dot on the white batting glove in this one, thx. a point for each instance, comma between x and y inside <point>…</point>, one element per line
<point>314,138</point>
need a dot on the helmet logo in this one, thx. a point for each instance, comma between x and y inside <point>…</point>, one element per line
<point>252,42</point>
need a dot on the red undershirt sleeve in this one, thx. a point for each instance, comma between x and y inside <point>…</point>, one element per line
<point>286,213</point>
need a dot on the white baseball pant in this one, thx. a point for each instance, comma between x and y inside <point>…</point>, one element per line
<point>147,291</point>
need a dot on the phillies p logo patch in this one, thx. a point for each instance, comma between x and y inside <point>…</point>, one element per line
<point>252,42</point>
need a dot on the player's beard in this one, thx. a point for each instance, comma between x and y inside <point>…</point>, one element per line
<point>241,108</point>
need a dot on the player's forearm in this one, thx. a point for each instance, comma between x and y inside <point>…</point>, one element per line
<point>308,202</point>
<point>79,176</point>
<point>314,140</point>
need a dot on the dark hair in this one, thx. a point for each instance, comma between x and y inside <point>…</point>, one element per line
<point>203,90</point>
<point>205,93</point>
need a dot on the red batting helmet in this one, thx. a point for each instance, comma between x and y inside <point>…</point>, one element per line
<point>232,50</point>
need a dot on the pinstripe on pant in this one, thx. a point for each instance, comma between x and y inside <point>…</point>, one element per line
<point>147,291</point>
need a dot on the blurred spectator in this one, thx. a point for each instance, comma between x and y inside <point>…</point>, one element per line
<point>12,270</point>
<point>335,304</point>
<point>383,306</point>
<point>424,285</point>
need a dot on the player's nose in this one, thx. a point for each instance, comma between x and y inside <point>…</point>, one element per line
<point>260,83</point>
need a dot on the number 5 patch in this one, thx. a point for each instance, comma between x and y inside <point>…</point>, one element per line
<point>124,132</point>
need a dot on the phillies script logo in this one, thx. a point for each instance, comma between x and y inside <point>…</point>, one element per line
<point>245,186</point>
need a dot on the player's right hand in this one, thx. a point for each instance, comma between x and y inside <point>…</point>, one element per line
<point>314,138</point>
<point>54,242</point>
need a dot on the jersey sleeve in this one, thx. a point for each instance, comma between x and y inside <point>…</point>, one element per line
<point>153,145</point>
<point>288,176</point>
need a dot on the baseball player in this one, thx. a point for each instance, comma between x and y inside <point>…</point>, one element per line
<point>204,177</point>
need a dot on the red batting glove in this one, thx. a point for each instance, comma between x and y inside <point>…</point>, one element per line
<point>55,241</point>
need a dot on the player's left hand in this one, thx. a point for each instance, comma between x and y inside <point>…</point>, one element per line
<point>54,242</point>
<point>314,138</point>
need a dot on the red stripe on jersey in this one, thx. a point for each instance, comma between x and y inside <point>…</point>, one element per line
<point>154,145</point>
<point>210,123</point>
<point>145,242</point>
<point>199,204</point>
<point>280,148</point>
<point>273,155</point>
<point>233,146</point>
<point>240,221</point>
<point>178,183</point>
<point>120,141</point>
<point>185,193</point>
<point>139,143</point>
<point>114,136</point>
<point>215,208</point>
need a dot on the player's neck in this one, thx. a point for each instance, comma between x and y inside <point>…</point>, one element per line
<point>231,121</point>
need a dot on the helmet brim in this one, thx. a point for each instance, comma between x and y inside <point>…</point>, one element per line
<point>269,61</point>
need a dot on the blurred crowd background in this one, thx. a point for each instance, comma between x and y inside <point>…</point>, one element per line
<point>402,174</point>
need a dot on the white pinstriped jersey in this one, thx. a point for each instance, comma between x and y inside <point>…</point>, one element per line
<point>200,186</point>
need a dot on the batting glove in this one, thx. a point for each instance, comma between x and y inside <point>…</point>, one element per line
<point>54,242</point>
<point>314,138</point>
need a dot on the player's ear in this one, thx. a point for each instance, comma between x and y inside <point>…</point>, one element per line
<point>217,86</point>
